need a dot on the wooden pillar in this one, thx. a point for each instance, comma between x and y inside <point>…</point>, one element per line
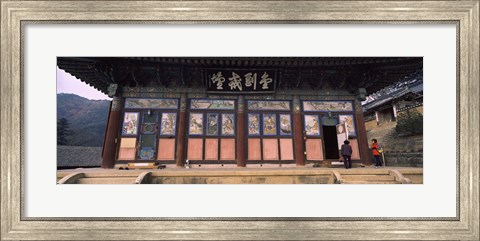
<point>241,150</point>
<point>362,134</point>
<point>111,133</point>
<point>182,129</point>
<point>298,132</point>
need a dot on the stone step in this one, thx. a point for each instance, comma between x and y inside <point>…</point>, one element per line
<point>109,180</point>
<point>368,178</point>
<point>371,182</point>
<point>364,171</point>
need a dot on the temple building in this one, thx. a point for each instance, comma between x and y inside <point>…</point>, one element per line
<point>385,105</point>
<point>236,110</point>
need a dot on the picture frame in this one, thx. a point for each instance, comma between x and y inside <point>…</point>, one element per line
<point>16,14</point>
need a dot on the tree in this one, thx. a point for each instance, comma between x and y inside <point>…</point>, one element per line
<point>409,123</point>
<point>63,131</point>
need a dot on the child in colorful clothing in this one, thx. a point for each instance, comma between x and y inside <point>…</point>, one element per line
<point>375,147</point>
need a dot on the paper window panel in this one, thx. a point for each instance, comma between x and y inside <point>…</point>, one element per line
<point>227,149</point>
<point>128,142</point>
<point>286,149</point>
<point>126,154</point>
<point>314,149</point>
<point>166,149</point>
<point>195,149</point>
<point>254,149</point>
<point>270,149</point>
<point>211,149</point>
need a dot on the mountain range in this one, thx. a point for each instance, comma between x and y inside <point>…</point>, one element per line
<point>87,118</point>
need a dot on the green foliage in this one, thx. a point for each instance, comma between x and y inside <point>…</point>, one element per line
<point>409,122</point>
<point>63,131</point>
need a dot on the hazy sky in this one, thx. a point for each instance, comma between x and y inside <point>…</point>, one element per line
<point>66,83</point>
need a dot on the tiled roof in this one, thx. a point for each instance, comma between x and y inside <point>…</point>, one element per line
<point>372,73</point>
<point>390,97</point>
<point>414,86</point>
<point>79,156</point>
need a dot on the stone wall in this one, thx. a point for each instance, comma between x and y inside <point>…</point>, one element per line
<point>370,125</point>
<point>404,159</point>
<point>253,179</point>
<point>418,108</point>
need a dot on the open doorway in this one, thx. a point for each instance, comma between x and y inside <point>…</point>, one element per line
<point>331,142</point>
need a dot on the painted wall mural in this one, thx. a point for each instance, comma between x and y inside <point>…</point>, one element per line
<point>149,128</point>
<point>196,124</point>
<point>146,153</point>
<point>268,105</point>
<point>254,124</point>
<point>168,123</point>
<point>130,123</point>
<point>149,123</point>
<point>285,125</point>
<point>228,124</point>
<point>135,103</point>
<point>312,126</point>
<point>202,104</point>
<point>212,124</point>
<point>327,106</point>
<point>350,124</point>
<point>269,124</point>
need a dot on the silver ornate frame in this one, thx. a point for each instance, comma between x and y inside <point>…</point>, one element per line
<point>16,13</point>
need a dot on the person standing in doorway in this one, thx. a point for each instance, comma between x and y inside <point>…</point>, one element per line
<point>346,151</point>
<point>375,149</point>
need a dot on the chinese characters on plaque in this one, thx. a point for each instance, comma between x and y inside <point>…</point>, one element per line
<point>239,80</point>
